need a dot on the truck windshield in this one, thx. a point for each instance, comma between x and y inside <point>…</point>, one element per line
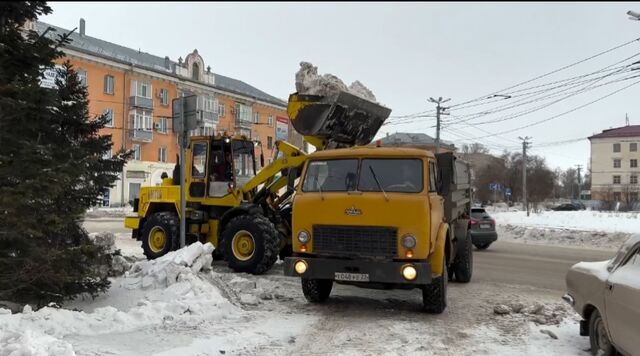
<point>337,175</point>
<point>394,175</point>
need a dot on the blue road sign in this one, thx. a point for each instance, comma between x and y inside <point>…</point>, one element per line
<point>507,191</point>
<point>494,187</point>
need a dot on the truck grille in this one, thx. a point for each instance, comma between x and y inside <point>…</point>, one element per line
<point>367,241</point>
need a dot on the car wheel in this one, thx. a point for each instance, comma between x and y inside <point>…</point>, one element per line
<point>482,246</point>
<point>598,336</point>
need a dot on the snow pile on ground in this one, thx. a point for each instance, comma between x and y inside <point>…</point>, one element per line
<point>119,263</point>
<point>172,288</point>
<point>103,212</point>
<point>537,313</point>
<point>568,237</point>
<point>308,81</point>
<point>584,220</point>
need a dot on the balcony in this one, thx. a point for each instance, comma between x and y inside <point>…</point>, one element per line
<point>141,102</point>
<point>141,135</point>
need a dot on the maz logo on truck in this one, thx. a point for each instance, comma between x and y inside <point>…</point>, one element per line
<point>353,211</point>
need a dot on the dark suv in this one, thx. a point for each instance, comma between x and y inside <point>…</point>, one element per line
<point>482,228</point>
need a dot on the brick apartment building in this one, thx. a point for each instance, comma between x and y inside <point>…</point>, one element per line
<point>136,90</point>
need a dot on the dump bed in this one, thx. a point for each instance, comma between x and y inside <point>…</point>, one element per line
<point>455,178</point>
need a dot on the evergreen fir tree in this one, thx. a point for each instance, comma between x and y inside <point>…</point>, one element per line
<point>52,168</point>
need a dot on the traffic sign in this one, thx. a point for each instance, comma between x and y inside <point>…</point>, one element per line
<point>507,192</point>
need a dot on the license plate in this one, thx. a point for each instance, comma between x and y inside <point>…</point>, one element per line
<point>485,226</point>
<point>352,277</point>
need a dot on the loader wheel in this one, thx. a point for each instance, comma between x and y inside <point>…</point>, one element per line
<point>316,290</point>
<point>434,295</point>
<point>160,234</point>
<point>463,265</point>
<point>250,243</point>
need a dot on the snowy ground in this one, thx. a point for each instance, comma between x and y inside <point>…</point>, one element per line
<point>590,229</point>
<point>170,307</point>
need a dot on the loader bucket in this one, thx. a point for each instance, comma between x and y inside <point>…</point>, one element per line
<point>334,121</point>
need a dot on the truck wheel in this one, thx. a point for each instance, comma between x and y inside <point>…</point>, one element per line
<point>250,244</point>
<point>463,265</point>
<point>316,290</point>
<point>598,336</point>
<point>160,234</point>
<point>434,295</point>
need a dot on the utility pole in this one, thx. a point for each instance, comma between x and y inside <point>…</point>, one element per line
<point>525,145</point>
<point>579,166</point>
<point>184,142</point>
<point>439,111</point>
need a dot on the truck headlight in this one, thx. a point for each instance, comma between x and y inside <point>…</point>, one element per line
<point>408,241</point>
<point>409,272</point>
<point>303,237</point>
<point>300,266</point>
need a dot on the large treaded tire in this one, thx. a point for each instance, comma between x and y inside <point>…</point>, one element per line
<point>316,290</point>
<point>463,265</point>
<point>167,221</point>
<point>434,295</point>
<point>266,243</point>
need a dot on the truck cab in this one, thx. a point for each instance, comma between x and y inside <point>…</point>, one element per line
<point>374,217</point>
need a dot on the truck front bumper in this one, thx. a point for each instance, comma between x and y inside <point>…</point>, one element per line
<point>375,272</point>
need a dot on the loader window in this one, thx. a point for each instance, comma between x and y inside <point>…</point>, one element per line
<point>394,175</point>
<point>243,161</point>
<point>198,169</point>
<point>337,175</point>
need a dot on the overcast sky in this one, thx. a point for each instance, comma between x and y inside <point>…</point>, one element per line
<point>407,52</point>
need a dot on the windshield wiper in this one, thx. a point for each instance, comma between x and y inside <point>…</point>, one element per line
<point>378,182</point>
<point>319,188</point>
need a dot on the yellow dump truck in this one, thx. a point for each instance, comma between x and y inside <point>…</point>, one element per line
<point>382,217</point>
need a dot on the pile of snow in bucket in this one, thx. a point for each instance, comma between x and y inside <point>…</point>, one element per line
<point>308,81</point>
<point>169,288</point>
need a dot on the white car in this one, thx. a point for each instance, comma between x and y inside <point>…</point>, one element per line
<point>607,296</point>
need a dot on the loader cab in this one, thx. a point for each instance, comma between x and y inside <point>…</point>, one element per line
<point>218,165</point>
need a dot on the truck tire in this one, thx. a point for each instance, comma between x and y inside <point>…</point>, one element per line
<point>250,243</point>
<point>463,265</point>
<point>160,234</point>
<point>434,295</point>
<point>316,290</point>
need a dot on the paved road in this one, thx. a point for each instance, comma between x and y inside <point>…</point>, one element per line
<point>539,266</point>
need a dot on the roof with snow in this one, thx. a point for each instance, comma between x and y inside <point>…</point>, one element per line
<point>406,138</point>
<point>112,51</point>
<point>625,131</point>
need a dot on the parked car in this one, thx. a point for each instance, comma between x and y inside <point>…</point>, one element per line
<point>482,228</point>
<point>607,296</point>
<point>568,207</point>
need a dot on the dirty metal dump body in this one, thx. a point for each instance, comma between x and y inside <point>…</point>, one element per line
<point>455,177</point>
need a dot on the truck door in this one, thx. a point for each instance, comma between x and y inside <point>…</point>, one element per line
<point>436,203</point>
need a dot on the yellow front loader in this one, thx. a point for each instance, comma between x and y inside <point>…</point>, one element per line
<point>240,211</point>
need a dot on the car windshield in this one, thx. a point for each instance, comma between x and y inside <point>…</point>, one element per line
<point>478,213</point>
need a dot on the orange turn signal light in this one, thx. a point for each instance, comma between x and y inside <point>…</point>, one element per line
<point>303,248</point>
<point>408,254</point>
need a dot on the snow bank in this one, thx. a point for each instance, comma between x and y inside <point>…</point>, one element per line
<point>558,236</point>
<point>584,220</point>
<point>308,81</point>
<point>172,289</point>
<point>31,343</point>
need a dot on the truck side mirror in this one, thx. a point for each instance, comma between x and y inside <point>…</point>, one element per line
<point>291,179</point>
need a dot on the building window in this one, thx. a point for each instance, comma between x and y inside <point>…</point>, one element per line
<point>633,179</point>
<point>141,89</point>
<point>616,163</point>
<point>616,179</point>
<point>221,110</point>
<point>209,103</point>
<point>162,125</point>
<point>82,76</point>
<point>195,71</point>
<point>162,154</point>
<point>633,147</point>
<point>633,163</point>
<point>164,97</point>
<point>617,196</point>
<point>269,142</point>
<point>108,84</point>
<point>109,117</point>
<point>137,152</point>
<point>270,121</point>
<point>142,120</point>
<point>107,155</point>
<point>616,147</point>
<point>633,197</point>
<point>256,118</point>
<point>243,113</point>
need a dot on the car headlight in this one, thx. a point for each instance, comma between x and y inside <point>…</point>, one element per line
<point>303,237</point>
<point>408,241</point>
